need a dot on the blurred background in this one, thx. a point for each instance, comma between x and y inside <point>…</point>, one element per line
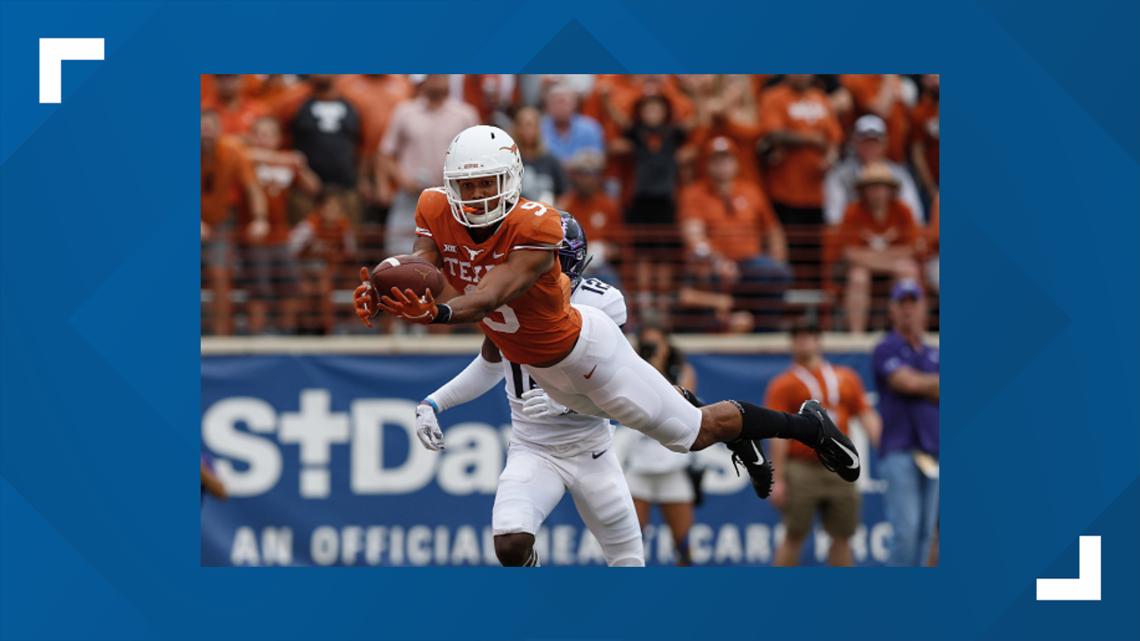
<point>736,212</point>
<point>718,203</point>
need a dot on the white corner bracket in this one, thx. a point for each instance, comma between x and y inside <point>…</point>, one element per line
<point>53,51</point>
<point>1086,587</point>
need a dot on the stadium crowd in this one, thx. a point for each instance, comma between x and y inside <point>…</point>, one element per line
<point>719,203</point>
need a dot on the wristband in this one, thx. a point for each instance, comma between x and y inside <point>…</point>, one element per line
<point>443,313</point>
<point>434,406</point>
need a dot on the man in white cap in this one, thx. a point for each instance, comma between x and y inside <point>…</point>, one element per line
<point>869,144</point>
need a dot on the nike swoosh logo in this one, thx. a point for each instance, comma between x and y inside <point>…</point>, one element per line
<point>591,373</point>
<point>498,255</point>
<point>759,454</point>
<point>598,454</point>
<point>854,457</point>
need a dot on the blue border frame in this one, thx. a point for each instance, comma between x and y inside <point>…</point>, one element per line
<point>100,320</point>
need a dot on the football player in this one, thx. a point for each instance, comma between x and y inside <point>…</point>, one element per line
<point>552,449</point>
<point>497,252</point>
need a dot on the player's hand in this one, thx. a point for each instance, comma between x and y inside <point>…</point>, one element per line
<point>427,428</point>
<point>536,404</point>
<point>406,305</point>
<point>364,299</point>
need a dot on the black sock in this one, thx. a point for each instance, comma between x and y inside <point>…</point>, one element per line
<point>760,422</point>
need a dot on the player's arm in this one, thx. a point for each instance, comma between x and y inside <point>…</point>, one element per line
<point>477,379</point>
<point>909,381</point>
<point>499,287</point>
<point>425,248</point>
<point>474,381</point>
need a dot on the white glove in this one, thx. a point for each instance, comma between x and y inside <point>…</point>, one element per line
<point>536,404</point>
<point>427,428</point>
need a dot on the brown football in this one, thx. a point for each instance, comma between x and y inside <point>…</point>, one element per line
<point>407,272</point>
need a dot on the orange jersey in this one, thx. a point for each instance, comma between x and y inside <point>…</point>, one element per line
<point>538,327</point>
<point>837,388</point>
<point>276,179</point>
<point>226,173</point>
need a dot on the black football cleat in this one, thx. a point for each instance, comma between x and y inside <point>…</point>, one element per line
<point>750,454</point>
<point>835,451</point>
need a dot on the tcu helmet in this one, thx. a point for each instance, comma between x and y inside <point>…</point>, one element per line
<point>478,152</point>
<point>572,252</point>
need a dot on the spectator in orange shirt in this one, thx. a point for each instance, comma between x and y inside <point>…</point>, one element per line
<point>596,212</point>
<point>235,110</point>
<point>869,144</point>
<point>227,184</point>
<point>924,135</point>
<point>730,221</point>
<point>273,273</point>
<point>543,178</point>
<point>879,237</point>
<point>724,106</point>
<point>800,138</point>
<point>324,242</point>
<point>885,96</point>
<point>802,487</point>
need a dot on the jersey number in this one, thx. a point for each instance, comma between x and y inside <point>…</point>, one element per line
<point>521,381</point>
<point>530,204</point>
<point>509,324</point>
<point>595,285</point>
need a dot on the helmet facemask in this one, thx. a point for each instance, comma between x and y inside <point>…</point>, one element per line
<point>478,212</point>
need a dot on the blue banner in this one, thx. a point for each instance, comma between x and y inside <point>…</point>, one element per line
<point>319,456</point>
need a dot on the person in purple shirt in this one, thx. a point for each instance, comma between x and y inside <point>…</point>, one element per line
<point>565,131</point>
<point>906,376</point>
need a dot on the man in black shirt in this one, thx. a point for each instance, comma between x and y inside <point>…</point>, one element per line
<point>326,128</point>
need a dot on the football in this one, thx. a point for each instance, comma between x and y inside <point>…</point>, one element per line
<point>407,272</point>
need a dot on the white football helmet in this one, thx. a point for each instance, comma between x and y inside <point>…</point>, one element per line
<point>476,152</point>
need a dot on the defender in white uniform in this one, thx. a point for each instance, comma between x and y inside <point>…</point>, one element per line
<point>552,449</point>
